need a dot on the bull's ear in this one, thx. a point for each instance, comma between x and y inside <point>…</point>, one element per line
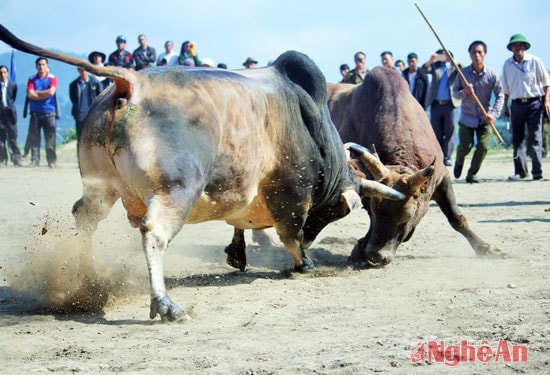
<point>352,199</point>
<point>369,188</point>
<point>420,177</point>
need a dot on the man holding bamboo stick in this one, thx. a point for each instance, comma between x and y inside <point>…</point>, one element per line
<point>473,121</point>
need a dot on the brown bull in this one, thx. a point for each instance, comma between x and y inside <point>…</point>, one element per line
<point>381,112</point>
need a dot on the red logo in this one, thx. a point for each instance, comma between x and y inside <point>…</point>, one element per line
<point>453,355</point>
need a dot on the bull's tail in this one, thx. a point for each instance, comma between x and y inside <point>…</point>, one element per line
<point>112,72</point>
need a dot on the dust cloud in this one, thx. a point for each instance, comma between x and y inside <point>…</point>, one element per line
<point>51,279</point>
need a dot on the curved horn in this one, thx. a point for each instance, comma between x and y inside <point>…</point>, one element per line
<point>369,188</point>
<point>112,72</point>
<point>416,180</point>
<point>371,162</point>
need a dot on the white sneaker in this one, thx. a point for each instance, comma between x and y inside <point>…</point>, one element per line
<point>517,177</point>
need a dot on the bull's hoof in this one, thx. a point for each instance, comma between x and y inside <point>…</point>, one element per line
<point>167,309</point>
<point>491,251</point>
<point>236,256</point>
<point>306,266</point>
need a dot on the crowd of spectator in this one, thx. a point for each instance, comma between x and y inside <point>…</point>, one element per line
<point>434,84</point>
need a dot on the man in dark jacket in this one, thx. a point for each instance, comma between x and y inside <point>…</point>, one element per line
<point>443,106</point>
<point>144,56</point>
<point>418,81</point>
<point>82,92</point>
<point>8,119</point>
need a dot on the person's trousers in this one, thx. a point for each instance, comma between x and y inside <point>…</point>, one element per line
<point>527,114</point>
<point>8,133</point>
<point>466,136</point>
<point>443,120</point>
<point>46,123</point>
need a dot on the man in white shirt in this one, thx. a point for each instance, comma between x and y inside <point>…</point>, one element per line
<point>526,81</point>
<point>168,57</point>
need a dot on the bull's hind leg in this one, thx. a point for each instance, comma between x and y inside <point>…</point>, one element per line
<point>165,217</point>
<point>236,250</point>
<point>94,206</point>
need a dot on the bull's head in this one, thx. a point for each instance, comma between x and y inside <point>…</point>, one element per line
<point>391,221</point>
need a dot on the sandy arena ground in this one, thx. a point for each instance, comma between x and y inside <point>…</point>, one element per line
<point>268,320</point>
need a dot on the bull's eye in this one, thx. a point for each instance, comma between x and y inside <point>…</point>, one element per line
<point>121,102</point>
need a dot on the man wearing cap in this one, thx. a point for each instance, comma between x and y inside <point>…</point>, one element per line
<point>418,81</point>
<point>250,63</point>
<point>121,57</point>
<point>525,81</point>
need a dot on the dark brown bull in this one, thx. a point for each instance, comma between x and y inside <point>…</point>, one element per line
<point>381,112</point>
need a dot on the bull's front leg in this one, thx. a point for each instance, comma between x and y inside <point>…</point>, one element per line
<point>445,198</point>
<point>292,238</point>
<point>164,219</point>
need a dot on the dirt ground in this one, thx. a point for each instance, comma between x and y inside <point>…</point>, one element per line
<point>268,320</point>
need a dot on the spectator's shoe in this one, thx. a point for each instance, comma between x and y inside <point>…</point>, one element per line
<point>539,177</point>
<point>448,163</point>
<point>33,164</point>
<point>518,177</point>
<point>52,165</point>
<point>472,180</point>
<point>4,162</point>
<point>458,170</point>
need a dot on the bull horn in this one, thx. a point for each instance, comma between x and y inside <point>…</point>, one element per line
<point>417,179</point>
<point>369,188</point>
<point>371,162</point>
<point>112,72</point>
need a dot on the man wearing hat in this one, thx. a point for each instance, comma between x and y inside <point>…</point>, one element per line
<point>121,57</point>
<point>525,81</point>
<point>250,63</point>
<point>98,58</point>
